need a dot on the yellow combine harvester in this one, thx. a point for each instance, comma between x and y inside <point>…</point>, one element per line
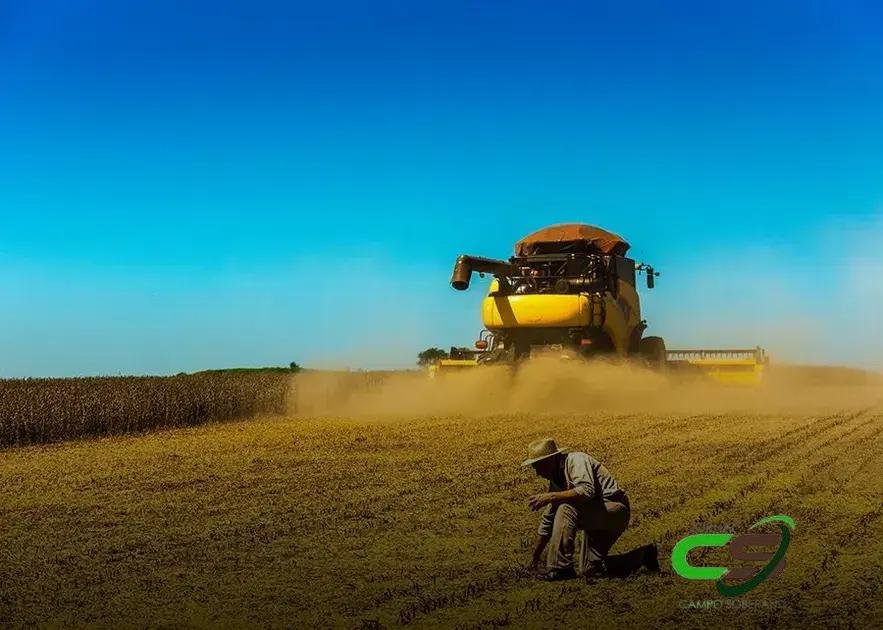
<point>570,291</point>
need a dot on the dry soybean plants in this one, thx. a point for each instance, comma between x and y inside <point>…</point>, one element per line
<point>34,411</point>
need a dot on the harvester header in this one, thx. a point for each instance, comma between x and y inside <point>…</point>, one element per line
<point>737,366</point>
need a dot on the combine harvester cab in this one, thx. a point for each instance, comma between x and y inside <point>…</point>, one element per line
<point>728,367</point>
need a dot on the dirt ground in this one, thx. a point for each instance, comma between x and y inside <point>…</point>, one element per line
<point>407,506</point>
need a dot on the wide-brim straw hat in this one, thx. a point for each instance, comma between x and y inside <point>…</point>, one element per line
<point>541,449</point>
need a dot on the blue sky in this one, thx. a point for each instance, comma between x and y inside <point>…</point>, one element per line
<point>195,185</point>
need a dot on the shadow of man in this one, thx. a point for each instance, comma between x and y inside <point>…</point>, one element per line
<point>619,565</point>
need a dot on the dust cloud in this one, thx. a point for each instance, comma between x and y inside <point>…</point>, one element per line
<point>549,386</point>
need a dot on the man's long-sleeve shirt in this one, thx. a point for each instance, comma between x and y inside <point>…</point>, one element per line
<point>587,476</point>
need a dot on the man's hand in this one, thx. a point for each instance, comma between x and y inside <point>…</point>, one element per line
<point>539,501</point>
<point>537,554</point>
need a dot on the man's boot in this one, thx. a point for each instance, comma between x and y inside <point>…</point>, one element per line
<point>596,569</point>
<point>651,558</point>
<point>556,575</point>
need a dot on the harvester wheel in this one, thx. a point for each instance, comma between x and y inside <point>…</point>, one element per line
<point>653,351</point>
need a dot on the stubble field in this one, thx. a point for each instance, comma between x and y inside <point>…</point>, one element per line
<point>406,505</point>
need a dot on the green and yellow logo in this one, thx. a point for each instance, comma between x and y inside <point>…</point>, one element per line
<point>740,549</point>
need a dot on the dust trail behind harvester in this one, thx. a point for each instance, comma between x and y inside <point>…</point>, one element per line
<point>553,386</point>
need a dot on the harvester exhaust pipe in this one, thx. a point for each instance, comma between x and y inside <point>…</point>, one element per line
<point>465,265</point>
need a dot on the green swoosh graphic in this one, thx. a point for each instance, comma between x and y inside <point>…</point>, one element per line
<point>744,587</point>
<point>783,518</point>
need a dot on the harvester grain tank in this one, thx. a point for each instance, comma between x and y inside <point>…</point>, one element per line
<point>570,291</point>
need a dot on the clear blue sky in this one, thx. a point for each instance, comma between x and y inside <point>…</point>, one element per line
<point>194,185</point>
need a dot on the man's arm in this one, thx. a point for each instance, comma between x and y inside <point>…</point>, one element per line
<point>539,545</point>
<point>580,475</point>
<point>582,482</point>
<point>544,533</point>
<point>538,501</point>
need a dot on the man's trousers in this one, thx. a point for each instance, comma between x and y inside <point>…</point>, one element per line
<point>603,522</point>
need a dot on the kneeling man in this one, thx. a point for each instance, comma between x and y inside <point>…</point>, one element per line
<point>582,495</point>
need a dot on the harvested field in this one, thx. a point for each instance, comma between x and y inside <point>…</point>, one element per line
<point>363,510</point>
